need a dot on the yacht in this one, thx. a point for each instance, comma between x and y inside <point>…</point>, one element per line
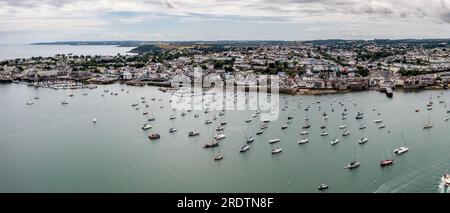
<point>378,121</point>
<point>154,136</point>
<point>218,157</point>
<point>274,140</point>
<point>220,136</point>
<point>250,139</point>
<point>306,126</point>
<point>323,187</point>
<point>211,145</point>
<point>303,141</point>
<point>304,133</point>
<point>352,164</point>
<point>146,126</point>
<point>335,141</point>
<point>277,150</point>
<point>193,133</point>
<point>363,140</point>
<point>347,132</point>
<point>244,148</point>
<point>386,162</point>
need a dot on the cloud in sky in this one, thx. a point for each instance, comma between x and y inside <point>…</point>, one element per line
<point>47,20</point>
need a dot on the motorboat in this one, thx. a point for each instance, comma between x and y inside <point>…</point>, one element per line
<point>64,102</point>
<point>446,179</point>
<point>382,126</point>
<point>193,133</point>
<point>400,150</point>
<point>378,121</point>
<point>220,136</point>
<point>146,126</point>
<point>94,120</point>
<point>324,133</point>
<point>342,127</point>
<point>172,130</point>
<point>284,127</point>
<point>248,120</point>
<point>259,132</point>
<point>362,126</point>
<point>29,103</point>
<point>172,117</point>
<point>220,128</point>
<point>208,121</point>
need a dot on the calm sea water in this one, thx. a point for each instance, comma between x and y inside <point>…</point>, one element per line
<point>12,51</point>
<point>49,147</point>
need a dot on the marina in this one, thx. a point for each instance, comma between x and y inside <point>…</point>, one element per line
<point>101,144</point>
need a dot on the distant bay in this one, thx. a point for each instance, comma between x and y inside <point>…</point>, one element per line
<point>12,51</point>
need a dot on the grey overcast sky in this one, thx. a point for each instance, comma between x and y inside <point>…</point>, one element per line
<point>24,21</point>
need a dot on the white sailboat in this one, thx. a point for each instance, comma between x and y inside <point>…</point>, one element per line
<point>428,125</point>
<point>354,163</point>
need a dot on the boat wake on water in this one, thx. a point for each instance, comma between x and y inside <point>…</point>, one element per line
<point>407,182</point>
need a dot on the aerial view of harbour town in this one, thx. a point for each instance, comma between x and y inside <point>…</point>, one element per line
<point>130,99</point>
